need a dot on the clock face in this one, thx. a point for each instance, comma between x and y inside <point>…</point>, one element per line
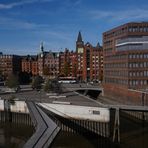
<point>80,50</point>
<point>41,55</point>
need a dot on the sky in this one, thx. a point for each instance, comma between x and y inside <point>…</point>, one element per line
<point>24,24</point>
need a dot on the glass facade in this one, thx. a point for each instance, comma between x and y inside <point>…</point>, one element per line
<point>132,43</point>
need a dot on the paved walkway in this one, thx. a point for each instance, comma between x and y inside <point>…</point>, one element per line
<point>46,129</point>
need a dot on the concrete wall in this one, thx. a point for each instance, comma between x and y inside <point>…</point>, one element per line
<point>79,112</point>
<point>19,106</point>
<point>1,105</point>
<point>124,95</point>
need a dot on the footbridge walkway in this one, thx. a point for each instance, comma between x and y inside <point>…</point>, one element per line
<point>46,129</point>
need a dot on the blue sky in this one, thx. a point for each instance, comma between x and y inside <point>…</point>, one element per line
<point>25,23</point>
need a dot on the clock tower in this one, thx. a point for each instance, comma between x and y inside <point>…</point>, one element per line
<point>80,54</point>
<point>79,44</point>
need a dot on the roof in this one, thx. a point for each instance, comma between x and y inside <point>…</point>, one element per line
<point>79,39</point>
<point>30,57</point>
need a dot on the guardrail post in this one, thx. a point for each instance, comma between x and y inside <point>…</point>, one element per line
<point>85,92</point>
<point>116,126</point>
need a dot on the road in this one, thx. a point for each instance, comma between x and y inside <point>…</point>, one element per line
<point>40,96</point>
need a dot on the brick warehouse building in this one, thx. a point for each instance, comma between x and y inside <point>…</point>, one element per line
<point>51,64</point>
<point>89,61</point>
<point>30,64</point>
<point>125,51</point>
<point>10,64</point>
<point>68,63</point>
<point>48,63</point>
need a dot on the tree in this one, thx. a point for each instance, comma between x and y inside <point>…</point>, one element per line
<point>12,81</point>
<point>24,77</point>
<point>75,70</point>
<point>52,85</point>
<point>46,71</point>
<point>11,100</point>
<point>56,86</point>
<point>48,86</point>
<point>66,69</point>
<point>36,82</point>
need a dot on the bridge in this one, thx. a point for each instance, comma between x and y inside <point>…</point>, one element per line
<point>81,86</point>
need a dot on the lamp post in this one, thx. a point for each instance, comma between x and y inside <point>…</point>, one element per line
<point>40,95</point>
<point>143,96</point>
<point>143,115</point>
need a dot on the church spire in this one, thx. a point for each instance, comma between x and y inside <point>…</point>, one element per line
<point>41,47</point>
<point>79,39</point>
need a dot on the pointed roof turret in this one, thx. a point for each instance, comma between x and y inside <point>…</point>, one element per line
<point>98,45</point>
<point>41,47</point>
<point>79,39</point>
<point>79,42</point>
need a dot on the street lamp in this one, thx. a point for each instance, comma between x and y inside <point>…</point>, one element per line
<point>39,95</point>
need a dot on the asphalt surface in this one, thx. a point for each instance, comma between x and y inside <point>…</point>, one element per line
<point>67,95</point>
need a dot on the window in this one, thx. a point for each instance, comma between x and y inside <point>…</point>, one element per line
<point>130,29</point>
<point>130,83</point>
<point>130,74</point>
<point>141,82</point>
<point>130,56</point>
<point>137,56</point>
<point>137,73</point>
<point>145,29</point>
<point>141,56</point>
<point>146,73</point>
<point>141,29</point>
<point>141,65</point>
<point>134,82</point>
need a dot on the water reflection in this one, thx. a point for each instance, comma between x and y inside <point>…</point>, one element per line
<point>133,134</point>
<point>14,135</point>
<point>74,140</point>
<point>71,140</point>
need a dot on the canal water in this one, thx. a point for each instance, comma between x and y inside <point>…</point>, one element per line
<point>134,134</point>
<point>71,140</point>
<point>14,135</point>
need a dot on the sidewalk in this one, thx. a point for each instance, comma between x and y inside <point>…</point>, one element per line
<point>108,100</point>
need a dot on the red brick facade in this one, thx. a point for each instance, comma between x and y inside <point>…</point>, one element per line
<point>48,63</point>
<point>90,61</point>
<point>10,64</point>
<point>68,63</point>
<point>30,65</point>
<point>126,62</point>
